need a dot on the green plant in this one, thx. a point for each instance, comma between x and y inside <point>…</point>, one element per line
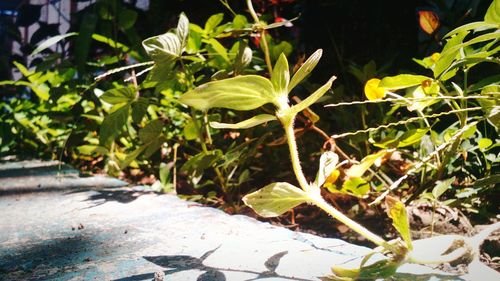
<point>249,92</point>
<point>463,84</point>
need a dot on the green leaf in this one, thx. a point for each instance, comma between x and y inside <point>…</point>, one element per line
<point>281,76</point>
<point>113,44</point>
<point>487,181</point>
<point>218,48</point>
<point>402,81</point>
<point>238,93</point>
<point>164,172</point>
<point>484,143</point>
<point>239,22</point>
<point>412,137</point>
<point>493,13</point>
<point>83,41</point>
<point>197,164</point>
<point>182,30</point>
<point>213,21</point>
<point>190,131</point>
<point>355,186</point>
<point>92,150</point>
<point>24,71</point>
<point>139,109</point>
<point>327,164</point>
<point>358,170</point>
<point>118,95</point>
<point>441,187</point>
<point>305,69</point>
<point>397,212</point>
<point>151,131</point>
<point>153,146</point>
<point>282,47</point>
<point>249,123</point>
<point>450,51</point>
<point>313,97</point>
<point>127,18</point>
<point>112,125</point>
<point>131,157</point>
<point>379,269</point>
<point>243,58</point>
<point>51,41</point>
<point>275,199</point>
<point>476,26</point>
<point>163,48</point>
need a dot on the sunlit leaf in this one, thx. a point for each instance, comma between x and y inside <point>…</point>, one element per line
<point>182,30</point>
<point>397,212</point>
<point>484,143</point>
<point>476,26</point>
<point>275,199</point>
<point>239,21</point>
<point>51,41</point>
<point>218,48</point>
<point>190,131</point>
<point>355,186</point>
<point>373,91</point>
<point>429,21</point>
<point>213,21</point>
<point>380,269</point>
<point>402,81</point>
<point>358,170</point>
<point>249,123</point>
<point>441,187</point>
<point>493,13</point>
<point>419,105</point>
<point>92,149</point>
<point>412,137</point>
<point>305,69</point>
<point>281,76</point>
<point>313,97</point>
<point>327,164</point>
<point>239,93</point>
<point>163,48</point>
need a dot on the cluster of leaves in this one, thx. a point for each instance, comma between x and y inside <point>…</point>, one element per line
<point>453,138</point>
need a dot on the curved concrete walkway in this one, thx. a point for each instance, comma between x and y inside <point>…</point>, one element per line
<point>72,230</point>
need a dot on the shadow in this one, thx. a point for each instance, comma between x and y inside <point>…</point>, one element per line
<point>44,260</point>
<point>120,195</point>
<point>45,170</point>
<point>179,263</point>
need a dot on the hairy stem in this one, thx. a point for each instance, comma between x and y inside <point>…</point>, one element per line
<point>294,154</point>
<point>336,214</point>
<point>315,197</point>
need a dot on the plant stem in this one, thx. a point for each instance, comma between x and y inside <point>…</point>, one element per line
<point>315,197</point>
<point>294,154</point>
<point>265,47</point>
<point>321,203</point>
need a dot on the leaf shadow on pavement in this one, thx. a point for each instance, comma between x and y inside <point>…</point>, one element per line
<point>177,263</point>
<point>120,195</point>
